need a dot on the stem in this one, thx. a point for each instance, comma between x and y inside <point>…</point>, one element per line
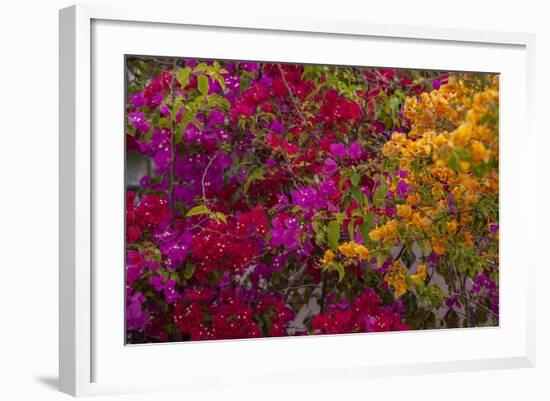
<point>204,177</point>
<point>323,291</point>
<point>477,304</point>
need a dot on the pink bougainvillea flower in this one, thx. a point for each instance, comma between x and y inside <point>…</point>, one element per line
<point>330,167</point>
<point>354,151</point>
<point>139,121</point>
<point>284,233</point>
<point>338,150</point>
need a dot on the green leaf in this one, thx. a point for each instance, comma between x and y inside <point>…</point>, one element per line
<point>357,195</point>
<point>257,174</point>
<point>319,233</point>
<point>333,234</point>
<point>368,223</point>
<point>380,194</point>
<point>355,179</point>
<point>453,162</point>
<point>425,246</point>
<point>178,133</point>
<point>147,136</point>
<point>203,85</point>
<point>164,123</point>
<point>197,210</point>
<point>341,271</point>
<point>320,238</point>
<point>340,217</point>
<point>220,217</point>
<point>131,130</point>
<point>189,270</point>
<point>182,75</point>
<point>394,105</point>
<point>221,81</point>
<point>478,170</point>
<point>200,67</point>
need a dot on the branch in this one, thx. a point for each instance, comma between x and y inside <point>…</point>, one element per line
<point>204,177</point>
<point>477,304</point>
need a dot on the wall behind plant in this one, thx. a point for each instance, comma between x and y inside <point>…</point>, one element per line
<point>29,200</point>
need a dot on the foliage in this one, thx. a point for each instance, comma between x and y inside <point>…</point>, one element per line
<point>298,199</point>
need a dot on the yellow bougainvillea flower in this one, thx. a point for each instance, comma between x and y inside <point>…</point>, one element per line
<point>400,288</point>
<point>438,247</point>
<point>468,239</point>
<point>386,232</point>
<point>352,249</point>
<point>395,277</point>
<point>452,226</point>
<point>464,166</point>
<point>328,257</point>
<point>420,275</point>
<point>347,249</point>
<point>363,252</point>
<point>479,153</point>
<point>375,235</point>
<point>404,211</point>
<point>421,271</point>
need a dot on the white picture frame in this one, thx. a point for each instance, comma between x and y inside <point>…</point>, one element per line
<point>82,343</point>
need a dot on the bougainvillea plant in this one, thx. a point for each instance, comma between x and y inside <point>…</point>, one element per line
<point>285,199</point>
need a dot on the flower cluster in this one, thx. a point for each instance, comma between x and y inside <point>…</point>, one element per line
<point>283,199</point>
<point>365,314</point>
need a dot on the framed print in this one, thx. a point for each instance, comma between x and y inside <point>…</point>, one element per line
<point>286,198</point>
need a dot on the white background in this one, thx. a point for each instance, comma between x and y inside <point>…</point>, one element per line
<point>28,200</point>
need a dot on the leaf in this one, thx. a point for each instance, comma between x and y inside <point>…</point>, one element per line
<point>394,105</point>
<point>453,162</point>
<point>178,133</point>
<point>341,271</point>
<point>164,123</point>
<point>357,195</point>
<point>478,170</point>
<point>368,223</point>
<point>355,179</point>
<point>340,217</point>
<point>221,81</point>
<point>319,233</point>
<point>256,174</point>
<point>425,247</point>
<point>200,67</point>
<point>380,194</point>
<point>245,82</point>
<point>333,234</point>
<point>182,75</point>
<point>203,85</point>
<point>147,136</point>
<point>197,210</point>
<point>189,270</point>
<point>320,238</point>
<point>220,217</point>
<point>131,130</point>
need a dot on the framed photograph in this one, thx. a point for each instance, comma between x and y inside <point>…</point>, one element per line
<point>290,200</point>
